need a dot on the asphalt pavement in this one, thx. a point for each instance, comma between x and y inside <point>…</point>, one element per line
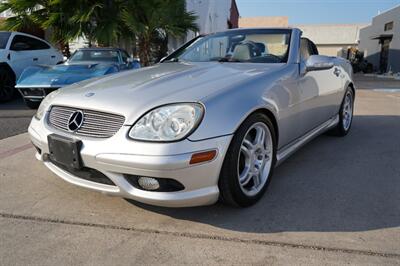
<point>334,202</point>
<point>14,118</point>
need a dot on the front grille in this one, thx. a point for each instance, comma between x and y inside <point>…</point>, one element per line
<point>95,124</point>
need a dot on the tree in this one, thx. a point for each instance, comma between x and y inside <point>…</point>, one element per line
<point>46,14</point>
<point>145,22</point>
<point>152,20</point>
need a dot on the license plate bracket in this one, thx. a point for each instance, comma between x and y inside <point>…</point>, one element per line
<point>65,151</point>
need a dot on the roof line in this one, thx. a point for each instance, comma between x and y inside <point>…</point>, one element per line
<point>390,9</point>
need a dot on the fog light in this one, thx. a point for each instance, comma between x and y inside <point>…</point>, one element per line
<point>148,183</point>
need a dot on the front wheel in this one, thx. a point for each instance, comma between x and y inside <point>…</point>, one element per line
<point>345,115</point>
<point>249,162</point>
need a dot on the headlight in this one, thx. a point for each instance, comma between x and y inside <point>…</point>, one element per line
<point>168,123</point>
<point>45,104</point>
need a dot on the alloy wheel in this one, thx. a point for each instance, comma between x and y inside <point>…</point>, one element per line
<point>255,159</point>
<point>347,111</point>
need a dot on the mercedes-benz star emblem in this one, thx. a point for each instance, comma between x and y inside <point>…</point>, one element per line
<point>89,94</point>
<point>75,121</point>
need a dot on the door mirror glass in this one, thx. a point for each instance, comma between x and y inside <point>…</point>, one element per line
<point>319,62</point>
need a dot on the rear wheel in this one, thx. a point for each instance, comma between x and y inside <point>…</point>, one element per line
<point>249,162</point>
<point>345,115</point>
<point>7,84</point>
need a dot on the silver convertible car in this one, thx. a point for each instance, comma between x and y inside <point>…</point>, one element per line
<point>211,121</point>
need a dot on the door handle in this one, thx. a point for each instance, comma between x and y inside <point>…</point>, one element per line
<point>35,59</point>
<point>337,72</point>
<point>53,56</point>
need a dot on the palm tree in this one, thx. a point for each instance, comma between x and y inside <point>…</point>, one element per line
<point>154,19</point>
<point>145,22</point>
<point>44,14</point>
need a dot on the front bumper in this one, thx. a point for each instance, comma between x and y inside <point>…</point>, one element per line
<point>119,156</point>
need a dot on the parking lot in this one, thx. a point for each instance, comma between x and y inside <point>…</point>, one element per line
<point>336,201</point>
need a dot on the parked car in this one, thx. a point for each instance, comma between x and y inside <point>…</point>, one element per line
<point>18,51</point>
<point>38,81</point>
<point>210,122</point>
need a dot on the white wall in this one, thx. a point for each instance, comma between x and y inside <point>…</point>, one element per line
<point>212,16</point>
<point>372,47</point>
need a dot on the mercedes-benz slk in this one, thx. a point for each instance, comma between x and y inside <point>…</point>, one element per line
<point>211,121</point>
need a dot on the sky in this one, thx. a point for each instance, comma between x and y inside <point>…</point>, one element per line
<point>317,11</point>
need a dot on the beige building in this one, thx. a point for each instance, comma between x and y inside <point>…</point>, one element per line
<point>333,39</point>
<point>255,22</point>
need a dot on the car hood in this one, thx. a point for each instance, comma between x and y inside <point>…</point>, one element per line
<point>63,74</point>
<point>133,93</point>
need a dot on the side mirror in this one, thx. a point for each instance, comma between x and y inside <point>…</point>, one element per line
<point>19,46</point>
<point>319,62</point>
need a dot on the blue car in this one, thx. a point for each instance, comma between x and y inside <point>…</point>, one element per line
<point>37,81</point>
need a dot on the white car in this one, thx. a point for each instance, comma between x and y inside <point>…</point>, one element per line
<point>18,51</point>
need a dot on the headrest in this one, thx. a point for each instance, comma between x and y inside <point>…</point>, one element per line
<point>242,52</point>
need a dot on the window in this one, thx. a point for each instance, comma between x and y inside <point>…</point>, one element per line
<point>313,47</point>
<point>124,56</point>
<point>4,39</point>
<point>307,48</point>
<point>389,26</point>
<point>27,43</point>
<point>254,46</point>
<point>96,55</point>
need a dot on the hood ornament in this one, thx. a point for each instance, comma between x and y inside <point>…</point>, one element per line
<point>89,94</point>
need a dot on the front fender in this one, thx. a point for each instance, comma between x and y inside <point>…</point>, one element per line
<point>226,110</point>
<point>29,71</point>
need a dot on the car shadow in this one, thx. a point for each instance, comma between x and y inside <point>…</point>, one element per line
<point>14,104</point>
<point>332,184</point>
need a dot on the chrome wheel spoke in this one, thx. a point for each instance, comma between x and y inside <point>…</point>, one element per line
<point>260,137</point>
<point>245,179</point>
<point>256,180</point>
<point>248,144</point>
<point>245,151</point>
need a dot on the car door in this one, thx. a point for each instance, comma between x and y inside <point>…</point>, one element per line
<point>319,90</point>
<point>45,53</point>
<point>21,54</point>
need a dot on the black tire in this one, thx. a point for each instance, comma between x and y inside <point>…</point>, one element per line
<point>230,190</point>
<point>7,84</point>
<point>32,104</point>
<point>340,130</point>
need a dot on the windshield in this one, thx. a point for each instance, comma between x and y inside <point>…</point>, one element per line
<point>253,46</point>
<point>95,55</point>
<point>4,39</point>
